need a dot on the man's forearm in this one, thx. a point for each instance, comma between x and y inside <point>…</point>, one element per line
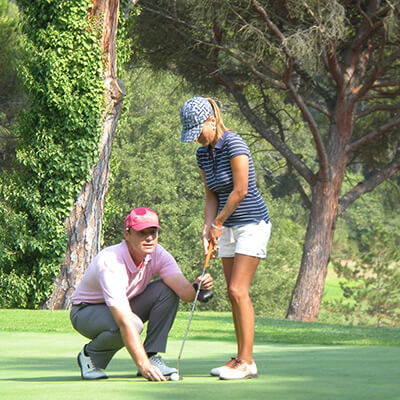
<point>133,343</point>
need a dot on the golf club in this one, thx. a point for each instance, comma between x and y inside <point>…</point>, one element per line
<point>210,247</point>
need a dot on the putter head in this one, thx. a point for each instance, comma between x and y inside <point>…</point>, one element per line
<point>205,295</point>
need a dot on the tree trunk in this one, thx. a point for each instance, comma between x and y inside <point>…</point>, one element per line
<point>307,294</point>
<point>85,222</point>
<point>306,297</point>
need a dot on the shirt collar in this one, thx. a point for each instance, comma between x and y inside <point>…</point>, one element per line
<point>220,142</point>
<point>218,145</point>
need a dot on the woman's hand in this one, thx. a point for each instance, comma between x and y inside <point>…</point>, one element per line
<point>206,241</point>
<point>214,233</point>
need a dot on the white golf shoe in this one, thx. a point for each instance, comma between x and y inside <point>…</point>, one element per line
<point>240,370</point>
<point>217,371</point>
<point>88,370</point>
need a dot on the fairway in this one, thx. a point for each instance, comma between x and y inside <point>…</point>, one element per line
<point>35,365</point>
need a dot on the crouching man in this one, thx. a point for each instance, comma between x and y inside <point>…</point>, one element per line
<point>116,296</point>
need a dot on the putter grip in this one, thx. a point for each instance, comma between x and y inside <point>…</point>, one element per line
<point>208,256</point>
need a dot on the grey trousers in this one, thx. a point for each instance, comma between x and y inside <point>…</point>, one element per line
<point>158,305</point>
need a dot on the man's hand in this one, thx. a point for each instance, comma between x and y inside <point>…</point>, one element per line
<point>206,283</point>
<point>184,289</point>
<point>151,372</point>
<point>125,320</point>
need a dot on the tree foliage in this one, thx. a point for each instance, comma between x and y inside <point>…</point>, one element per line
<point>11,93</point>
<point>152,168</point>
<point>255,49</point>
<point>334,62</point>
<point>371,287</point>
<point>59,138</point>
<point>281,84</point>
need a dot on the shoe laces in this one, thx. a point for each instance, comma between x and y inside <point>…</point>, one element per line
<point>238,364</point>
<point>157,360</point>
<point>231,362</point>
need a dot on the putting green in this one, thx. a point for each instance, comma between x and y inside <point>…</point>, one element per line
<point>43,366</point>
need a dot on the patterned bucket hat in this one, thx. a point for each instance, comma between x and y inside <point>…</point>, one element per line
<point>193,115</point>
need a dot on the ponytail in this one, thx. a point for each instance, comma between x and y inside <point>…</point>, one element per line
<point>220,127</point>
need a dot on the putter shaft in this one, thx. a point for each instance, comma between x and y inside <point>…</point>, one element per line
<point>194,305</point>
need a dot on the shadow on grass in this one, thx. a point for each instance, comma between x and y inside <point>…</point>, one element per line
<point>41,366</point>
<point>294,371</point>
<point>54,363</point>
<point>267,330</point>
<point>45,379</point>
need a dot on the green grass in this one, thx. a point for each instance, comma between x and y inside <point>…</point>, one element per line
<point>332,290</point>
<point>296,361</point>
<point>218,326</point>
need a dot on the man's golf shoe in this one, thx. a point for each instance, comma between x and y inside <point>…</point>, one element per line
<point>88,370</point>
<point>160,364</point>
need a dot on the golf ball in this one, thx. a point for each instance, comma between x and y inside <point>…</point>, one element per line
<point>174,377</point>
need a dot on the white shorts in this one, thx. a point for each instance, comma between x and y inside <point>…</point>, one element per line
<point>250,240</point>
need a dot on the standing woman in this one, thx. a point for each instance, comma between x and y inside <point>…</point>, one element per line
<point>235,219</point>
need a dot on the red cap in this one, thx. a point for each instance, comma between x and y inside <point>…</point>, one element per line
<point>141,218</point>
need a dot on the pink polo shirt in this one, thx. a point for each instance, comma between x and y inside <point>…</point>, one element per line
<point>113,278</point>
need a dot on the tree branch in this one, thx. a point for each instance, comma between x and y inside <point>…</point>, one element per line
<point>364,14</point>
<point>369,184</point>
<point>380,107</point>
<point>362,36</point>
<point>333,65</point>
<point>219,47</point>
<point>365,32</point>
<point>312,84</point>
<point>371,136</point>
<point>272,82</point>
<point>173,19</point>
<point>319,144</point>
<point>290,157</point>
<point>318,107</point>
<point>377,71</point>
<point>385,84</point>
<point>381,94</point>
<point>323,158</point>
<point>267,67</point>
<point>271,26</point>
<point>303,195</point>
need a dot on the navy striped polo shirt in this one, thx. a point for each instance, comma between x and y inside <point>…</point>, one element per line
<point>215,162</point>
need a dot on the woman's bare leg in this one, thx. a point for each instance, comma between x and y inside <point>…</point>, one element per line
<point>239,272</point>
